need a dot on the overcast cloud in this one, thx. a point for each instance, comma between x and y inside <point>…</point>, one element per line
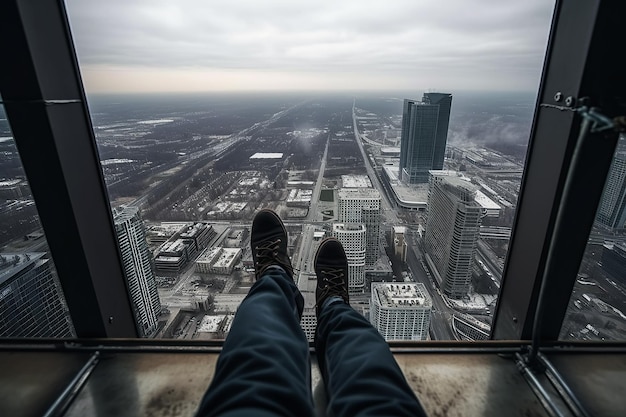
<point>192,45</point>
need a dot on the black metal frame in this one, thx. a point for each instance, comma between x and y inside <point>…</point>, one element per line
<point>44,99</point>
<point>45,103</point>
<point>581,68</point>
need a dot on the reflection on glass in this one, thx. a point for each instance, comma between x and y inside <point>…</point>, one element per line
<point>31,299</point>
<point>597,308</point>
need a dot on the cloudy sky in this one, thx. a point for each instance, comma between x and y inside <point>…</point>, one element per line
<point>216,45</point>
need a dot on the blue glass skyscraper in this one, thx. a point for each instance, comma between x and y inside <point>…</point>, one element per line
<point>424,136</point>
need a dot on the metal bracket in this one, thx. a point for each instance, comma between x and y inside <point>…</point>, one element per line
<point>533,372</point>
<point>601,122</point>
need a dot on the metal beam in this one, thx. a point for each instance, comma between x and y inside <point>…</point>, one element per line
<point>581,62</point>
<point>46,107</point>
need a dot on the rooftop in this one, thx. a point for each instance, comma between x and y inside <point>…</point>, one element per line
<point>115,161</point>
<point>299,195</point>
<point>226,257</point>
<point>461,182</point>
<point>124,214</point>
<point>401,295</point>
<point>175,246</point>
<point>351,193</point>
<point>485,202</point>
<point>268,155</point>
<point>212,324</point>
<point>356,181</point>
<point>349,227</point>
<point>194,230</point>
<point>13,263</point>
<point>415,195</point>
<point>390,150</point>
<point>209,254</point>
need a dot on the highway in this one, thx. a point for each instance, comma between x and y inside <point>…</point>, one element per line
<point>313,212</point>
<point>304,259</point>
<point>387,207</point>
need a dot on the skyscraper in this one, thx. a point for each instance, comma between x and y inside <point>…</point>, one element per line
<point>362,205</point>
<point>352,236</point>
<point>137,262</point>
<point>612,208</point>
<point>400,311</point>
<point>452,229</point>
<point>31,300</point>
<point>424,136</point>
<point>398,237</point>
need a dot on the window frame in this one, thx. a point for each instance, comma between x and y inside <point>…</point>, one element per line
<point>46,105</point>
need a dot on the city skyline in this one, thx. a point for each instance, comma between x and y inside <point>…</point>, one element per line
<point>315,153</point>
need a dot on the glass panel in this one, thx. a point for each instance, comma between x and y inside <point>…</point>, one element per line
<point>597,307</point>
<point>241,135</point>
<point>31,300</point>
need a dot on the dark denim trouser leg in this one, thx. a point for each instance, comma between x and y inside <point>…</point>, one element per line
<point>361,375</point>
<point>264,368</point>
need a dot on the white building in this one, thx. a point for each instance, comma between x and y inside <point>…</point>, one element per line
<point>400,311</point>
<point>362,205</point>
<point>352,237</point>
<point>137,262</point>
<point>309,324</point>
<point>218,260</point>
<point>452,229</point>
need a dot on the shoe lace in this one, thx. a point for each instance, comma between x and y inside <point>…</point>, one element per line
<point>266,253</point>
<point>334,283</point>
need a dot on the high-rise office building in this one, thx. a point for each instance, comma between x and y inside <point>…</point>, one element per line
<point>452,229</point>
<point>400,311</point>
<point>31,300</point>
<point>398,237</point>
<point>424,136</point>
<point>362,205</point>
<point>352,237</point>
<point>612,208</point>
<point>139,270</point>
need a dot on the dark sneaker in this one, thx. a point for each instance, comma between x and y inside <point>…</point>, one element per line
<point>331,268</point>
<point>269,243</point>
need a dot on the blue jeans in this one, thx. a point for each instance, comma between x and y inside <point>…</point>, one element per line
<point>264,368</point>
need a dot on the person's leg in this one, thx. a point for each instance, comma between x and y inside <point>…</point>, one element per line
<point>264,367</point>
<point>361,375</point>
